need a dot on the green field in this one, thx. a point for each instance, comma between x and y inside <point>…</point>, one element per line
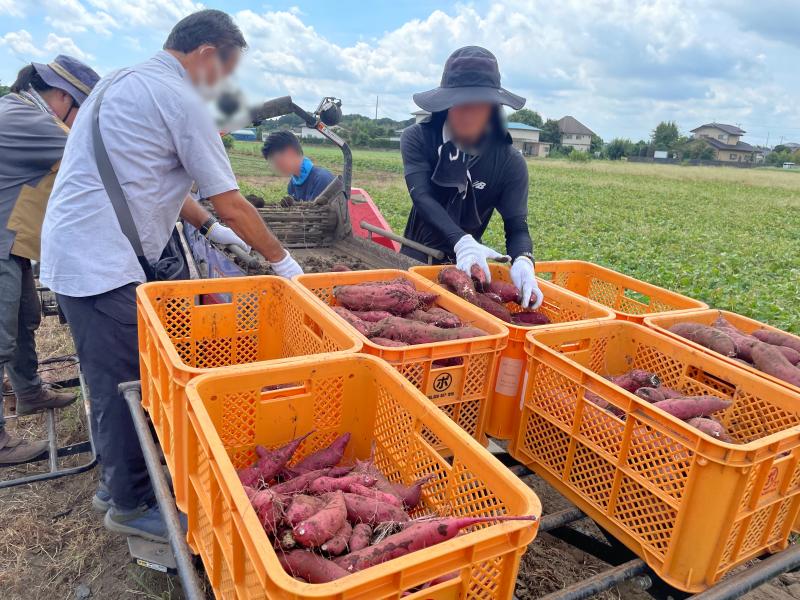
<point>729,237</point>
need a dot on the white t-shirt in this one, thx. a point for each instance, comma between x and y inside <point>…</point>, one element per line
<point>160,137</point>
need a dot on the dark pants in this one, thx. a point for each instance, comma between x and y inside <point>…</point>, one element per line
<point>104,330</point>
<point>20,316</point>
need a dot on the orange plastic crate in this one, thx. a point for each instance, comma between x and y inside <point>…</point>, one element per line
<point>462,391</point>
<point>630,298</point>
<point>230,412</point>
<point>561,307</point>
<point>187,328</point>
<point>707,317</point>
<point>691,506</point>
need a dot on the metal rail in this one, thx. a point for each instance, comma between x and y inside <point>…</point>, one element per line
<point>54,452</point>
<point>432,252</point>
<point>192,590</point>
<point>600,582</point>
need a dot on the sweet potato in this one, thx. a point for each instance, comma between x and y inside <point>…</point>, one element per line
<point>410,494</point>
<point>777,338</point>
<point>338,543</point>
<point>478,277</point>
<point>271,462</point>
<point>458,282</point>
<point>493,297</point>
<point>493,308</point>
<point>361,537</point>
<point>508,292</point>
<point>710,337</point>
<point>770,360</point>
<point>359,325</point>
<point>453,361</point>
<point>267,505</point>
<point>395,298</point>
<point>311,567</point>
<point>413,332</point>
<point>382,341</point>
<point>323,485</point>
<point>692,406</point>
<point>326,457</point>
<point>710,427</point>
<point>375,494</point>
<point>302,507</point>
<point>322,525</point>
<point>650,394</point>
<point>298,483</point>
<point>435,316</point>
<point>529,318</point>
<point>415,537</point>
<point>371,316</point>
<point>340,268</point>
<point>635,379</point>
<point>372,512</point>
<point>425,300</point>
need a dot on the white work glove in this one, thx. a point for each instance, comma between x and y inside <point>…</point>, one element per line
<point>225,236</point>
<point>469,252</point>
<point>524,277</point>
<point>286,267</point>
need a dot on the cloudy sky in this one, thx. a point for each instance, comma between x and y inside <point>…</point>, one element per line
<point>619,66</point>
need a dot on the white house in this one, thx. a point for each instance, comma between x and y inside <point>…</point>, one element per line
<point>526,139</point>
<point>575,134</point>
<point>305,133</point>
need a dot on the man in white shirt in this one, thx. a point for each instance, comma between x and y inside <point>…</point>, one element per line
<point>160,137</point>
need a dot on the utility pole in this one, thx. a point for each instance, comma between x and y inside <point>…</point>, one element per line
<point>376,107</point>
<point>767,144</point>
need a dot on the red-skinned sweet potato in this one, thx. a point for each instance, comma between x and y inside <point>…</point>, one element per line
<point>508,292</point>
<point>310,567</point>
<point>325,457</point>
<point>362,534</point>
<point>458,282</point>
<point>371,511</point>
<point>493,308</point>
<point>372,316</point>
<point>436,316</point>
<point>414,332</point>
<point>338,543</point>
<point>302,507</point>
<point>710,337</point>
<point>395,298</point>
<point>711,427</point>
<point>692,406</point>
<point>771,360</point>
<point>529,318</point>
<point>777,338</point>
<point>324,524</point>
<point>382,341</point>
<point>359,325</point>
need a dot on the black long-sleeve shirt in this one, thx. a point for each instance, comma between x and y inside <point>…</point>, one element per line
<point>499,181</point>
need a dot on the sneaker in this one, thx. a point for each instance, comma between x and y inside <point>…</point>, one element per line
<point>16,450</point>
<point>47,398</point>
<point>142,522</point>
<point>101,501</point>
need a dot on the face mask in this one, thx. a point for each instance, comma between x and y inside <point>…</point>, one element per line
<point>208,91</point>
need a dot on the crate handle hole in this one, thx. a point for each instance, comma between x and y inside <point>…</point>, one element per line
<point>284,390</point>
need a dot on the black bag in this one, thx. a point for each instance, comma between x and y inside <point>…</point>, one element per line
<point>172,263</point>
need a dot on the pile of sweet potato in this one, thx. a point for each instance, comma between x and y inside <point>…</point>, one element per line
<point>490,296</point>
<point>326,521</point>
<point>773,352</point>
<point>395,313</point>
<point>697,411</point>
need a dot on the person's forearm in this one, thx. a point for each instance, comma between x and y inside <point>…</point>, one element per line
<point>243,218</point>
<point>433,213</point>
<point>192,212</point>
<point>518,237</point>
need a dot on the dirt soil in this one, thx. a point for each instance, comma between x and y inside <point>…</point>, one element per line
<point>53,546</point>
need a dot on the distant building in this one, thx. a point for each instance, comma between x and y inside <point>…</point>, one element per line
<point>420,115</point>
<point>526,139</point>
<point>245,135</point>
<point>305,133</point>
<point>575,134</point>
<point>724,140</point>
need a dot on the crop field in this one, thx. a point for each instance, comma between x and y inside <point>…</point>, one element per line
<point>729,237</point>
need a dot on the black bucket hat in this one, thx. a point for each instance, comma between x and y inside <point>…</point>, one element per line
<point>470,75</point>
<point>68,74</point>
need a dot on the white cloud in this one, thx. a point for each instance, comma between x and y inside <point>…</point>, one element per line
<point>11,8</point>
<point>146,13</point>
<point>64,45</point>
<point>20,43</point>
<point>72,16</point>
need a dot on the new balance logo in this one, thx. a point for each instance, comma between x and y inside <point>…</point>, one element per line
<point>479,185</point>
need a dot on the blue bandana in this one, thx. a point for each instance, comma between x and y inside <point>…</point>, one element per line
<point>305,170</point>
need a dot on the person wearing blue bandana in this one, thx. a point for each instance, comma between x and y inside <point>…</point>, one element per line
<point>284,152</point>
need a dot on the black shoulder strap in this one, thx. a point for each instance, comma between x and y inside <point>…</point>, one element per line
<point>113,188</point>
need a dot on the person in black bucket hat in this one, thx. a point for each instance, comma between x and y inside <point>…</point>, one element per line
<point>460,167</point>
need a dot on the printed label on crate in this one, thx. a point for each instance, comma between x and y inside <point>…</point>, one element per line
<point>444,384</point>
<point>508,376</point>
<point>524,390</point>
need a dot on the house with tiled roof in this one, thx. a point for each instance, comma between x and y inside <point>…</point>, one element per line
<point>725,141</point>
<point>574,134</point>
